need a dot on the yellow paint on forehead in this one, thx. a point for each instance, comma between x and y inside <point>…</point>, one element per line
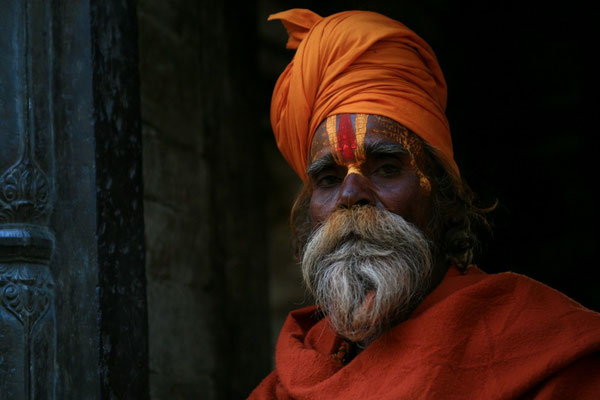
<point>401,135</point>
<point>354,169</point>
<point>347,142</point>
<point>331,126</point>
<point>355,137</point>
<point>361,131</point>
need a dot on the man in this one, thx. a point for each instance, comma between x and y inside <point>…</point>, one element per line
<point>387,231</point>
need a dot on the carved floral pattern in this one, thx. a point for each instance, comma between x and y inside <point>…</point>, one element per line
<point>24,193</point>
<point>26,293</point>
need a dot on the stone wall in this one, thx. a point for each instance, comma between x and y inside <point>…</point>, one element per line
<point>204,207</point>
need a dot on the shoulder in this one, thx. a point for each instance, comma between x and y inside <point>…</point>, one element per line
<point>579,380</point>
<point>512,288</point>
<point>512,305</point>
<point>513,333</point>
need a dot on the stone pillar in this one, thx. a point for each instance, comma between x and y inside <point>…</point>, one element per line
<point>73,321</point>
<point>27,311</point>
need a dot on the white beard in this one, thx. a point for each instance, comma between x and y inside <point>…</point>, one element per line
<point>367,268</point>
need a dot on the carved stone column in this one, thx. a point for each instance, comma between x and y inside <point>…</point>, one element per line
<point>73,321</point>
<point>27,311</point>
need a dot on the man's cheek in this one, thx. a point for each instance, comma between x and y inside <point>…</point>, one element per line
<point>319,211</point>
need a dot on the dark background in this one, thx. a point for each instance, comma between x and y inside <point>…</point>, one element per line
<point>520,107</point>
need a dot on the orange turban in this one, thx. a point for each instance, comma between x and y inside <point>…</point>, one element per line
<point>357,62</point>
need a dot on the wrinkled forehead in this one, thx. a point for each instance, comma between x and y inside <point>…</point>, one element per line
<point>345,135</point>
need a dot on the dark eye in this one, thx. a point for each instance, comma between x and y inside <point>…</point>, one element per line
<point>328,180</point>
<point>387,170</point>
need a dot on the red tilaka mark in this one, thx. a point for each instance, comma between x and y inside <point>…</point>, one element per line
<point>346,138</point>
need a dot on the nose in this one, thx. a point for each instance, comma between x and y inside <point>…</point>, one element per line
<point>355,191</point>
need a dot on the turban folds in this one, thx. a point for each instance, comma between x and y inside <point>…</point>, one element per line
<point>357,62</point>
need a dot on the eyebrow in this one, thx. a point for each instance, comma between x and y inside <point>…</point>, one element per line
<point>371,149</point>
<point>385,148</point>
<point>320,164</point>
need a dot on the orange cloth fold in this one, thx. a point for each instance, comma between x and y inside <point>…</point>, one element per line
<point>357,62</point>
<point>476,336</point>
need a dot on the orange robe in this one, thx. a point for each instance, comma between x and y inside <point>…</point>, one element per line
<point>476,336</point>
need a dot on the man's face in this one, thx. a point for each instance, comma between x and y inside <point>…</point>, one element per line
<point>369,259</point>
<point>367,160</point>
